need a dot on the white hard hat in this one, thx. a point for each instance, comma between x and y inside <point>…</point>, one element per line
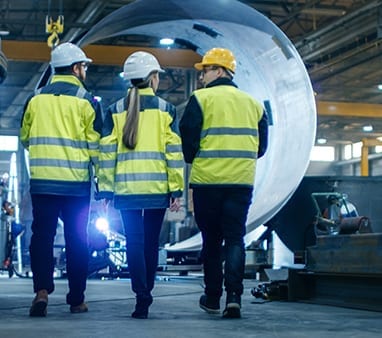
<point>139,65</point>
<point>67,54</point>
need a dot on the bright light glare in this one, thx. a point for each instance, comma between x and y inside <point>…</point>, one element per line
<point>9,143</point>
<point>322,153</point>
<point>166,41</point>
<point>102,224</point>
<point>367,128</point>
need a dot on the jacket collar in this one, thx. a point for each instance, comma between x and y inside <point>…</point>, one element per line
<point>67,78</point>
<point>146,91</point>
<point>222,81</point>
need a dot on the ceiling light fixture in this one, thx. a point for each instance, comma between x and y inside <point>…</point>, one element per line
<point>368,128</point>
<point>4,30</point>
<point>166,41</point>
<point>321,140</point>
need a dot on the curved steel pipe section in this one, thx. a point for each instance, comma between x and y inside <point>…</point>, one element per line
<point>269,68</point>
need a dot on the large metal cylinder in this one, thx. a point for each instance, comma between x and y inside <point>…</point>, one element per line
<point>269,68</point>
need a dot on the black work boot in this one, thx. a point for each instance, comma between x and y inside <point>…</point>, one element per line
<point>233,306</point>
<point>142,307</point>
<point>210,304</point>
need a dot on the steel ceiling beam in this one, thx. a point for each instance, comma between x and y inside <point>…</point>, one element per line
<point>115,55</point>
<point>101,54</point>
<point>347,109</point>
<point>328,29</point>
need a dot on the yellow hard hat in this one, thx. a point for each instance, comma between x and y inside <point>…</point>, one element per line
<point>219,57</point>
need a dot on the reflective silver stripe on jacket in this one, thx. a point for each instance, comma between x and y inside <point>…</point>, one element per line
<point>173,164</point>
<point>141,177</point>
<point>44,162</point>
<point>141,155</point>
<point>55,141</point>
<point>120,105</point>
<point>227,153</point>
<point>107,164</point>
<point>229,131</point>
<point>173,148</point>
<point>81,92</point>
<point>107,148</point>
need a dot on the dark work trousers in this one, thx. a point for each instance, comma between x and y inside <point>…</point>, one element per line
<point>221,214</point>
<point>74,212</point>
<point>142,228</point>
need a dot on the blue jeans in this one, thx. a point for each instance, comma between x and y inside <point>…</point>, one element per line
<point>74,212</point>
<point>221,214</point>
<point>142,228</point>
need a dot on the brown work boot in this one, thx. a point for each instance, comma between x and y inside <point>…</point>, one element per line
<point>39,304</point>
<point>79,308</point>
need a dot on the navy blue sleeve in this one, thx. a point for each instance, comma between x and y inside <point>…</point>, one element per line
<point>175,123</point>
<point>263,135</point>
<point>190,127</point>
<point>98,121</point>
<point>108,123</point>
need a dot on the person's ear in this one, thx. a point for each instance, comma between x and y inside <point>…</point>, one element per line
<point>76,69</point>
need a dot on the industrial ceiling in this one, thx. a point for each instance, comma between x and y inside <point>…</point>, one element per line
<point>339,42</point>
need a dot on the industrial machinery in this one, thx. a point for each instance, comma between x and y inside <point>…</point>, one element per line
<point>6,237</point>
<point>10,227</point>
<point>337,254</point>
<point>339,216</point>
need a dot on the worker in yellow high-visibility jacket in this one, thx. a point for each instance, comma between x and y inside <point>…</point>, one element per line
<point>61,128</point>
<point>224,131</point>
<point>141,168</point>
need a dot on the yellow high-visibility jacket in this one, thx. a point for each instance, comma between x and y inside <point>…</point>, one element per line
<point>61,128</point>
<point>147,176</point>
<point>220,135</point>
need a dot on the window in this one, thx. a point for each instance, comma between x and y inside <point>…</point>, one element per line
<point>352,150</point>
<point>348,152</point>
<point>357,149</point>
<point>9,143</point>
<point>322,153</point>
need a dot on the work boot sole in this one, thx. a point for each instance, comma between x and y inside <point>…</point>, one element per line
<point>82,308</point>
<point>209,310</point>
<point>232,311</point>
<point>38,309</point>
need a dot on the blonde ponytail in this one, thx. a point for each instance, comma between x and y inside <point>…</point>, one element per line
<point>130,129</point>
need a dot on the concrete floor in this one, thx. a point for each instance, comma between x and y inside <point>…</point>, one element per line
<point>174,313</point>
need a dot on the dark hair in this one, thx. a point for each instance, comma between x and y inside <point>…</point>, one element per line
<point>66,70</point>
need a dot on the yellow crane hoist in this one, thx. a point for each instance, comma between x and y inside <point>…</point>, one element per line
<point>54,28</point>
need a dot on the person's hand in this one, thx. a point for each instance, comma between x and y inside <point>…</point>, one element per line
<point>175,204</point>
